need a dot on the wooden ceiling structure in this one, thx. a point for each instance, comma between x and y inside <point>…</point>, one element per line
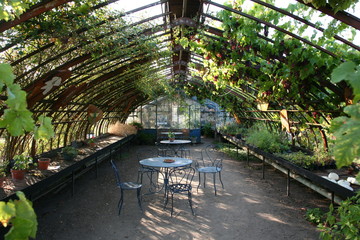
<point>72,78</point>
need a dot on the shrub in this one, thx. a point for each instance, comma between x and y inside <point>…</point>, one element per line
<point>314,215</point>
<point>267,141</point>
<point>343,222</point>
<point>300,159</point>
<point>208,130</point>
<point>232,129</point>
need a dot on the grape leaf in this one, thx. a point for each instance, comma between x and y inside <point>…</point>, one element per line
<point>45,130</point>
<point>347,130</point>
<point>341,72</point>
<point>7,211</point>
<point>24,211</point>
<point>21,229</point>
<point>17,121</point>
<point>16,98</point>
<point>7,76</point>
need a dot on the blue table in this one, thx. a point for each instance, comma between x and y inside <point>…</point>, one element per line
<point>158,162</point>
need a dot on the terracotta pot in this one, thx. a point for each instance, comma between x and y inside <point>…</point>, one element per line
<point>171,139</point>
<point>43,163</point>
<point>92,144</point>
<point>18,174</point>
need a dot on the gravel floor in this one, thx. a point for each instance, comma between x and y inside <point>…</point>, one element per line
<point>248,208</point>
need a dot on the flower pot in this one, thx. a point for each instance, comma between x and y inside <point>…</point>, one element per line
<point>43,163</point>
<point>92,144</point>
<point>18,174</point>
<point>171,139</point>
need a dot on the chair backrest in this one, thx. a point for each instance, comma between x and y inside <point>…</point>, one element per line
<point>181,175</point>
<point>210,156</point>
<point>116,172</point>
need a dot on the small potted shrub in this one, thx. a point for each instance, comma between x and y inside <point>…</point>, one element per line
<point>69,153</point>
<point>171,136</point>
<point>21,164</point>
<point>43,163</point>
<point>91,142</point>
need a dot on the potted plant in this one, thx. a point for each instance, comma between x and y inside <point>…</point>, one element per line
<point>43,163</point>
<point>91,142</point>
<point>171,136</point>
<point>69,153</point>
<point>21,164</point>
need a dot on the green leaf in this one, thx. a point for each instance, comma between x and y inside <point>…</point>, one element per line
<point>7,211</point>
<point>342,71</point>
<point>21,229</point>
<point>45,130</point>
<point>16,98</point>
<point>17,121</point>
<point>25,211</point>
<point>6,75</point>
<point>347,132</point>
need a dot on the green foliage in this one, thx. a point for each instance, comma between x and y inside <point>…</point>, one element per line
<point>232,129</point>
<point>347,132</point>
<point>268,141</point>
<point>10,9</point>
<point>17,119</point>
<point>349,72</point>
<point>171,135</point>
<point>300,159</point>
<point>138,125</point>
<point>346,129</point>
<point>3,168</point>
<point>343,222</point>
<point>335,5</point>
<point>20,215</point>
<point>69,151</point>
<point>314,215</point>
<point>44,130</point>
<point>208,130</point>
<point>22,162</point>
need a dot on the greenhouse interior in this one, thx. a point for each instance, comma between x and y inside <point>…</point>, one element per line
<point>267,92</point>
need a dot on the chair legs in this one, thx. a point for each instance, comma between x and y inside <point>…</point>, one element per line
<point>190,202</point>
<point>214,182</point>
<point>172,203</point>
<point>138,194</point>
<point>121,201</point>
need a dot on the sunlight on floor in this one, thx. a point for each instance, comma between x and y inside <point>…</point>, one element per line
<point>251,200</point>
<point>270,217</point>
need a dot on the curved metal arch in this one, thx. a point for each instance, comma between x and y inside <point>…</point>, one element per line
<point>274,26</point>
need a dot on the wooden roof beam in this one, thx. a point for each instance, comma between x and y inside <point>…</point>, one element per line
<point>342,16</point>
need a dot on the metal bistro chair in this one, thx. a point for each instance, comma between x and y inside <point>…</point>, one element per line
<point>210,163</point>
<point>125,186</point>
<point>180,182</point>
<point>143,169</point>
<point>151,173</point>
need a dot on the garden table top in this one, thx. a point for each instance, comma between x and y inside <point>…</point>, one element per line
<point>176,133</point>
<point>176,141</point>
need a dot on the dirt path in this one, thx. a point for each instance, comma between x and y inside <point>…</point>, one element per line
<point>248,208</point>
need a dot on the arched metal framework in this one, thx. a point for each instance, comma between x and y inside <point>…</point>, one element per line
<point>108,77</point>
